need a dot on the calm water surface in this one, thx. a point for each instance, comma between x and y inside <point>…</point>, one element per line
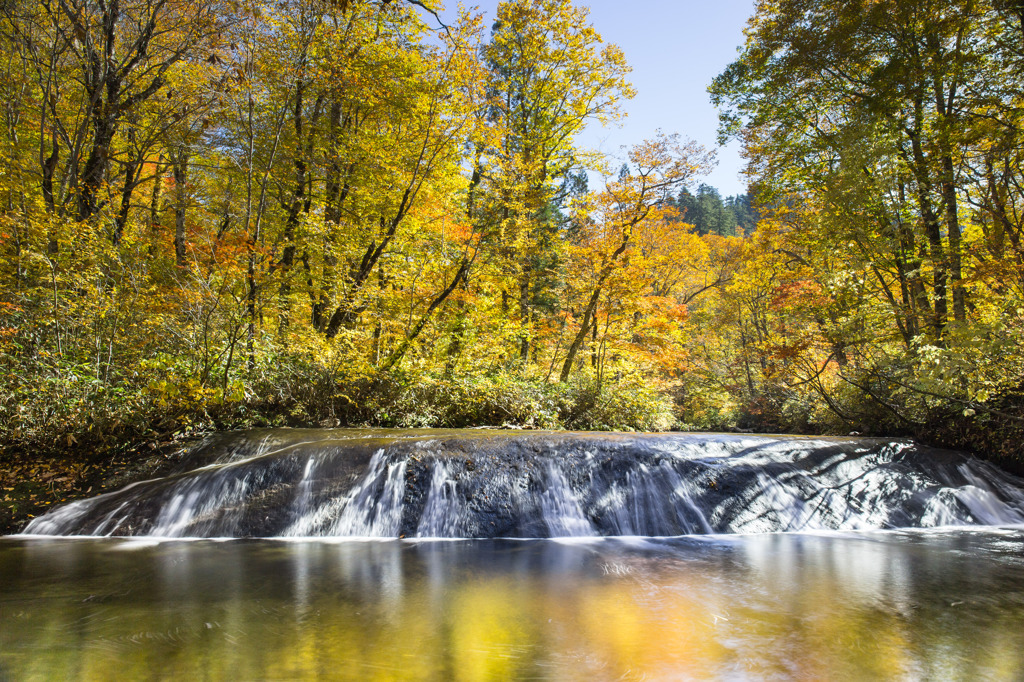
<point>942,605</point>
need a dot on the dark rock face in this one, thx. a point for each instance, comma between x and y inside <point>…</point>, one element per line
<point>486,484</point>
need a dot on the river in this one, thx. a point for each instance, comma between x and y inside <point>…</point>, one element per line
<point>937,604</point>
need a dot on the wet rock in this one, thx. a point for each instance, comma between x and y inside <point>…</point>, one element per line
<point>476,483</point>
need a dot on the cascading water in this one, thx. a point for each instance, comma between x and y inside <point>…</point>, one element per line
<point>444,513</point>
<point>562,513</point>
<point>309,483</point>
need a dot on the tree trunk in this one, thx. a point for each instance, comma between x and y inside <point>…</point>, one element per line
<point>589,315</point>
<point>94,177</point>
<point>154,205</point>
<point>403,347</point>
<point>953,231</point>
<point>524,314</point>
<point>932,229</point>
<point>180,166</point>
<point>132,170</point>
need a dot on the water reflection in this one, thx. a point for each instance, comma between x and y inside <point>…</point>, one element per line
<point>916,605</point>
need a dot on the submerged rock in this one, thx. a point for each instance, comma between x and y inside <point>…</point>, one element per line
<point>484,484</point>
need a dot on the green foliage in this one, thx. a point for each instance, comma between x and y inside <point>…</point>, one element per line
<point>504,399</point>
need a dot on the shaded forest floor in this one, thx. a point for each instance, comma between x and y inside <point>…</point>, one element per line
<point>31,483</point>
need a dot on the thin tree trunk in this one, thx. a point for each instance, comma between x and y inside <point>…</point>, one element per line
<point>931,226</point>
<point>589,314</point>
<point>132,170</point>
<point>403,347</point>
<point>154,205</point>
<point>180,168</point>
<point>953,232</point>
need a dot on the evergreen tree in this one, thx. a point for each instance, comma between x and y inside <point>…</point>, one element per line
<point>709,214</point>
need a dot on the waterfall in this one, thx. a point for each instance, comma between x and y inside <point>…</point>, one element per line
<point>444,514</point>
<point>563,515</point>
<point>374,507</point>
<point>433,484</point>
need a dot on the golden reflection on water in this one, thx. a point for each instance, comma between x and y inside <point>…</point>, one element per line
<point>776,607</point>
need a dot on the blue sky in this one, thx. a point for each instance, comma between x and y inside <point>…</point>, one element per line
<point>675,48</point>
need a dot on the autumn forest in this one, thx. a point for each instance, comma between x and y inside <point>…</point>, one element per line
<point>374,212</point>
